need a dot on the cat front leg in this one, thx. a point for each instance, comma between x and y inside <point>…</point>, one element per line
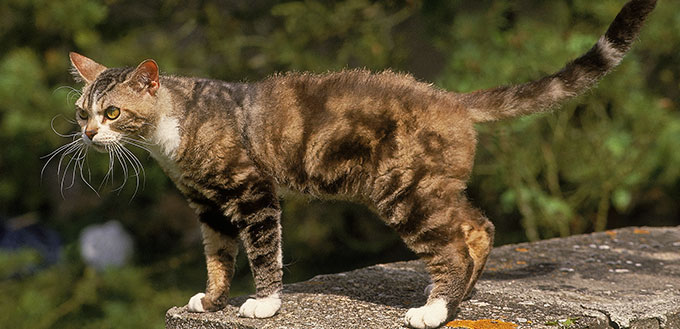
<point>260,231</point>
<point>220,245</point>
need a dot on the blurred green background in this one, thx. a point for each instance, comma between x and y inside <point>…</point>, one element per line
<point>608,159</point>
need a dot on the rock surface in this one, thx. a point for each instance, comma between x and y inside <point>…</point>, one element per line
<point>627,278</point>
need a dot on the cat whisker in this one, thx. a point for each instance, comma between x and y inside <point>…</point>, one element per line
<point>112,162</point>
<point>61,148</point>
<point>89,172</point>
<point>109,173</point>
<point>115,148</point>
<point>71,89</point>
<point>73,134</point>
<point>53,154</point>
<point>72,92</point>
<point>137,166</point>
<point>142,141</point>
<point>71,95</point>
<point>137,163</point>
<point>76,150</point>
<point>139,144</point>
<point>73,158</point>
<point>73,148</point>
<point>82,176</point>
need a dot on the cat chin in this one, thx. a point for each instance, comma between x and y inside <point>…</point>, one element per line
<point>98,148</point>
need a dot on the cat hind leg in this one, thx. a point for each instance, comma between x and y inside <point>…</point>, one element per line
<point>451,238</point>
<point>479,237</point>
<point>455,255</point>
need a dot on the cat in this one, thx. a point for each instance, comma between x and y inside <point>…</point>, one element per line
<point>400,146</point>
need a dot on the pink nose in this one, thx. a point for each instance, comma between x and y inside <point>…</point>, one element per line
<point>90,133</point>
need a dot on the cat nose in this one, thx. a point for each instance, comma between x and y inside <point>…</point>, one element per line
<point>90,133</point>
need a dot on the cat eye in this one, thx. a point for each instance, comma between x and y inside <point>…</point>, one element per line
<point>82,114</point>
<point>112,112</point>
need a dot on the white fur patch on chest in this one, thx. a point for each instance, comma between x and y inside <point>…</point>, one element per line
<point>167,139</point>
<point>167,136</point>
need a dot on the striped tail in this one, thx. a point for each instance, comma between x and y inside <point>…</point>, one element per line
<point>575,78</point>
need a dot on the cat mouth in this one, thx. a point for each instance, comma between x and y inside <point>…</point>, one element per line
<point>96,146</point>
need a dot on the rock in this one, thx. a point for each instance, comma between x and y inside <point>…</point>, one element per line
<point>574,282</point>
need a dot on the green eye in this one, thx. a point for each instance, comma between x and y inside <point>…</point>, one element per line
<point>112,112</point>
<point>82,114</point>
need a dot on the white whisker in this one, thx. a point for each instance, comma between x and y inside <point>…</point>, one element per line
<point>139,144</point>
<point>142,142</point>
<point>72,93</point>
<point>89,172</point>
<point>54,154</point>
<point>58,150</point>
<point>76,150</point>
<point>84,161</point>
<point>109,173</point>
<point>73,160</point>
<point>123,164</point>
<point>74,147</point>
<point>68,164</point>
<point>71,90</point>
<point>137,167</point>
<point>135,162</point>
<point>73,134</point>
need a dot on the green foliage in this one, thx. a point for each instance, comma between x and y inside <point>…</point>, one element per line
<point>70,295</point>
<point>604,160</point>
<point>607,152</point>
<point>16,262</point>
<point>566,323</point>
<point>354,32</point>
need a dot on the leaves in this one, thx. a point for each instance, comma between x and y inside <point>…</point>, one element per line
<point>566,323</point>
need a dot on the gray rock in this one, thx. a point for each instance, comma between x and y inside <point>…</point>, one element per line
<point>633,282</point>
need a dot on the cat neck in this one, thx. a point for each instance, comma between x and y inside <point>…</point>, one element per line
<point>166,137</point>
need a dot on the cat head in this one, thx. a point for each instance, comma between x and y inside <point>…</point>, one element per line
<point>117,105</point>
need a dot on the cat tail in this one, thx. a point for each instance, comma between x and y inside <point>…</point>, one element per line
<point>575,78</point>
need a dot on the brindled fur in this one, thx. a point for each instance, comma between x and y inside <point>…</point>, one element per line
<point>401,146</point>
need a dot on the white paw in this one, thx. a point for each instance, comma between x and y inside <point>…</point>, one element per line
<point>195,304</point>
<point>260,308</point>
<point>431,315</point>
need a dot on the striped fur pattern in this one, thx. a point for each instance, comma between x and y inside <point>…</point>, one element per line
<point>402,147</point>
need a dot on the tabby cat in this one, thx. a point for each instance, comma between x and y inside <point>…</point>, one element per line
<point>401,146</point>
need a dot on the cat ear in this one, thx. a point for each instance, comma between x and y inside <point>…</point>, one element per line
<point>145,77</point>
<point>85,68</point>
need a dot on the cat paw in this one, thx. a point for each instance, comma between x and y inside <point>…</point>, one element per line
<point>195,304</point>
<point>431,315</point>
<point>260,308</point>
